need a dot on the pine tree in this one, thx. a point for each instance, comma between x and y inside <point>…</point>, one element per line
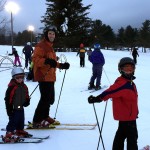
<point>70,19</point>
<point>101,33</point>
<point>145,34</point>
<point>121,37</point>
<point>130,35</point>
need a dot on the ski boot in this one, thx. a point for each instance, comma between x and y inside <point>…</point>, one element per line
<point>98,87</point>
<point>91,86</point>
<point>43,124</point>
<point>52,121</point>
<point>10,137</point>
<point>23,134</point>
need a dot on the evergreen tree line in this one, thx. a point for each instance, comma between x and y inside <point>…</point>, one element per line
<point>73,26</point>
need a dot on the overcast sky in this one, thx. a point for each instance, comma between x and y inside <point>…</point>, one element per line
<point>116,13</point>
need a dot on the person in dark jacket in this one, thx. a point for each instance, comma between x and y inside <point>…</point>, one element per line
<point>16,98</point>
<point>135,54</point>
<point>125,105</point>
<point>98,60</point>
<point>81,54</point>
<point>27,50</point>
<point>17,59</point>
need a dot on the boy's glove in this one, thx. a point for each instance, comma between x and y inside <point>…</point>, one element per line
<point>26,103</point>
<point>93,99</point>
<point>64,65</point>
<point>51,62</point>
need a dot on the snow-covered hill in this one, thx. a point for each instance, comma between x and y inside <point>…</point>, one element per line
<point>74,108</point>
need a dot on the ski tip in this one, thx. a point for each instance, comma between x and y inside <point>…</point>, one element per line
<point>3,129</point>
<point>47,137</point>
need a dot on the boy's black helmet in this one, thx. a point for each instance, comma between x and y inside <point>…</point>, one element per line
<point>125,60</point>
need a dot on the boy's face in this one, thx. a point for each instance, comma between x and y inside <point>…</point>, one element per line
<point>128,68</point>
<point>19,78</point>
<point>51,36</point>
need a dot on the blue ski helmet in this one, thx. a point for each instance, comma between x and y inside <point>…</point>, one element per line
<point>97,46</point>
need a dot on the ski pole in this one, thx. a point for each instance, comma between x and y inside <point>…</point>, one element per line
<point>34,90</point>
<point>98,129</point>
<point>102,123</point>
<point>107,76</point>
<point>104,110</point>
<point>62,56</point>
<point>60,94</point>
<point>38,83</point>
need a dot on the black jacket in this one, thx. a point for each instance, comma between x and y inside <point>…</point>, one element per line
<point>16,96</point>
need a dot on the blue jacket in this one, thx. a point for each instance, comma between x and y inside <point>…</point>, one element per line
<point>97,57</point>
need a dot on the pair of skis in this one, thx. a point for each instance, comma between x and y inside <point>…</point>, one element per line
<point>63,126</point>
<point>33,139</point>
<point>39,139</point>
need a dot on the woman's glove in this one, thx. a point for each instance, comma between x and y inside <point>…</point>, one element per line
<point>51,62</point>
<point>64,65</point>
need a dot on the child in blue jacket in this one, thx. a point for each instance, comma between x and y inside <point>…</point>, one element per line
<point>98,60</point>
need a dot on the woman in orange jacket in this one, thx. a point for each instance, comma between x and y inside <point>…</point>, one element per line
<point>45,64</point>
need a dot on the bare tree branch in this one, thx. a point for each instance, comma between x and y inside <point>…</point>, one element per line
<point>3,19</point>
<point>2,4</point>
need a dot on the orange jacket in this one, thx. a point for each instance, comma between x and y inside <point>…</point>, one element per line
<point>43,72</point>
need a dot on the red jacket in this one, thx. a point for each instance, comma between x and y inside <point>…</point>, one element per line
<point>124,99</point>
<point>16,94</point>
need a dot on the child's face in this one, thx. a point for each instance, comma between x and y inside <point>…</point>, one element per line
<point>128,68</point>
<point>19,78</point>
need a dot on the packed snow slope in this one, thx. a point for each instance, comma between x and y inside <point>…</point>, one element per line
<point>73,106</point>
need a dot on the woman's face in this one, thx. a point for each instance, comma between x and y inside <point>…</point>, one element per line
<point>51,36</point>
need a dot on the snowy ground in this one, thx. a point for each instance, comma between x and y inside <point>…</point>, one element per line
<point>74,108</point>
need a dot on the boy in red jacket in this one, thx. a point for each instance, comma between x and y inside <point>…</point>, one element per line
<point>16,98</point>
<point>125,105</point>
